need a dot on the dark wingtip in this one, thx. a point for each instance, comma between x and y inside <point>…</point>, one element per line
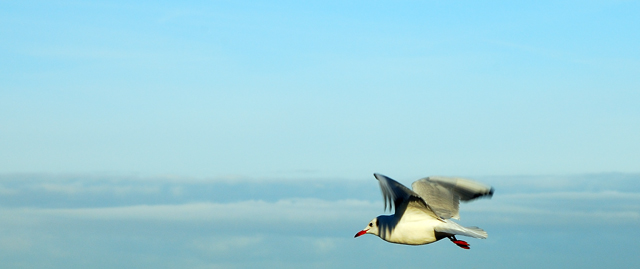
<point>485,194</point>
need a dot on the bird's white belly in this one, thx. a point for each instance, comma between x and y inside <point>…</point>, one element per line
<point>413,232</point>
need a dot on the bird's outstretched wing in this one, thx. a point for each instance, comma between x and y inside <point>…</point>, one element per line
<point>400,197</point>
<point>443,194</point>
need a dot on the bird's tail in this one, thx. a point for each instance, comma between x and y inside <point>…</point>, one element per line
<point>478,233</point>
<point>451,227</point>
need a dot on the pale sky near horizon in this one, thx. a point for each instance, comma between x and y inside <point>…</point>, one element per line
<point>238,134</point>
<point>319,89</point>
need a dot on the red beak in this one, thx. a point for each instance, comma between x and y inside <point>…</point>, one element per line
<point>360,233</point>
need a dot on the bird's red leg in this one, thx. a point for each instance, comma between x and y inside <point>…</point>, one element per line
<point>460,243</point>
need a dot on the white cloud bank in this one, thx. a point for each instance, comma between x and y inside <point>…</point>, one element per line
<point>288,210</point>
<point>597,208</point>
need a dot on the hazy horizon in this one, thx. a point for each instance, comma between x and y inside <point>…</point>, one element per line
<point>106,222</point>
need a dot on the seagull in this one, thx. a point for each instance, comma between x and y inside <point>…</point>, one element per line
<point>423,215</point>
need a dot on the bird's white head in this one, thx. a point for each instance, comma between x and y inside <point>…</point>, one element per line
<point>372,228</point>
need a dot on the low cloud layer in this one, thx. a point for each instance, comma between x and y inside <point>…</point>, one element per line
<point>74,221</point>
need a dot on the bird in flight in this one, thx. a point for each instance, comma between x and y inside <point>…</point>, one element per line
<point>423,215</point>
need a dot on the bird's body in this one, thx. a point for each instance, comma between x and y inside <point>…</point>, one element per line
<point>411,229</point>
<point>422,215</point>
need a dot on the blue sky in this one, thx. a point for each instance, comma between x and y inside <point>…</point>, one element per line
<point>210,89</point>
<point>145,97</point>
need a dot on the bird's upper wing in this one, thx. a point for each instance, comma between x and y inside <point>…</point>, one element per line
<point>400,197</point>
<point>443,194</point>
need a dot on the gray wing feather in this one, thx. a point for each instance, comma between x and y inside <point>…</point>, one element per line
<point>443,194</point>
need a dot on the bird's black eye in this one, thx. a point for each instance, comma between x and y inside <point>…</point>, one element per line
<point>370,224</point>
